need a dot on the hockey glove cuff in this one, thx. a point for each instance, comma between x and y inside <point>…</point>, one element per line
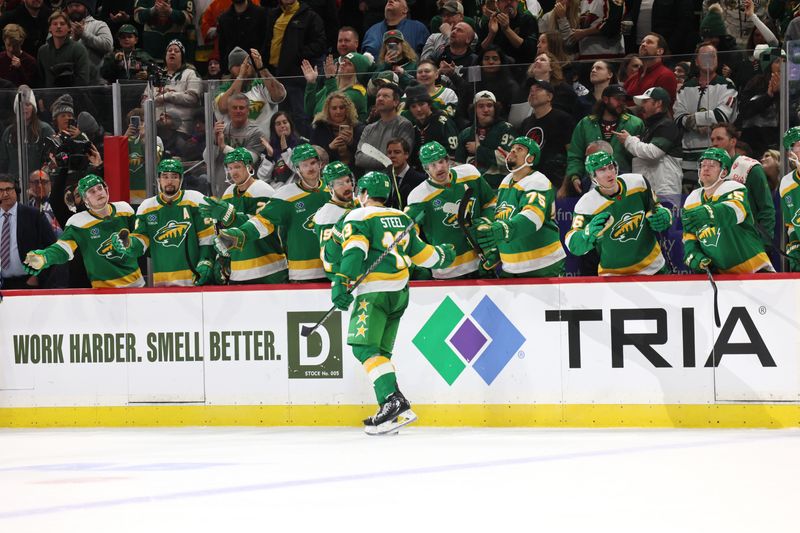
<point>229,239</point>
<point>205,272</point>
<point>594,230</point>
<point>446,253</point>
<point>697,261</point>
<point>660,219</point>
<point>340,296</point>
<point>218,210</point>
<point>128,246</point>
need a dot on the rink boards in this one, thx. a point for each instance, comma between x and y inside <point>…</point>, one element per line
<point>561,352</point>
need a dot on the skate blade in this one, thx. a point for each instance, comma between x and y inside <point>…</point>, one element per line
<point>391,428</point>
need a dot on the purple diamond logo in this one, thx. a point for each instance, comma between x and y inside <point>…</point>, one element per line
<point>468,340</point>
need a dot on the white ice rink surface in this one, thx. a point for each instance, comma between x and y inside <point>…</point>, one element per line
<point>425,479</point>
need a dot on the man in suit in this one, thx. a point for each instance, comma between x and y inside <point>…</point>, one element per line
<point>408,177</point>
<point>22,229</point>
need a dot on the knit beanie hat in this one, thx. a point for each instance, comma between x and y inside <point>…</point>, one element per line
<point>88,124</point>
<point>26,96</point>
<point>90,5</point>
<point>712,24</point>
<point>360,62</point>
<point>236,57</point>
<point>63,104</point>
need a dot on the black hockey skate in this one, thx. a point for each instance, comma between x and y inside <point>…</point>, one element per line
<point>391,416</point>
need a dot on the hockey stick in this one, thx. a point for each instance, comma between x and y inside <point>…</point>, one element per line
<point>305,331</point>
<point>717,321</point>
<point>384,160</point>
<point>461,217</point>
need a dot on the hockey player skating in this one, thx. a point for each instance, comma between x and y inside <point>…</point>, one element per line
<point>329,219</point>
<point>290,212</point>
<point>434,205</point>
<point>619,217</point>
<point>259,260</point>
<point>524,228</point>
<point>91,232</point>
<point>790,198</point>
<point>382,297</point>
<point>170,226</point>
<point>718,228</point>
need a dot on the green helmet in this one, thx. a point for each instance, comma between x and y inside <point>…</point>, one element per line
<point>717,154</point>
<point>598,160</point>
<point>239,154</point>
<point>334,171</point>
<point>531,145</point>
<point>170,165</point>
<point>302,152</point>
<point>376,184</point>
<point>791,136</point>
<point>431,152</point>
<point>89,181</point>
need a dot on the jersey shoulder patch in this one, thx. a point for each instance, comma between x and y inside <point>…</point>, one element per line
<point>787,183</point>
<point>535,182</point>
<point>148,205</point>
<point>123,208</point>
<point>466,172</point>
<point>290,192</point>
<point>192,198</point>
<point>591,203</point>
<point>260,189</point>
<point>329,213</point>
<point>82,220</point>
<point>422,192</point>
<point>633,181</point>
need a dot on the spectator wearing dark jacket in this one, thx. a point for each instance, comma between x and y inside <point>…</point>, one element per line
<point>16,65</point>
<point>62,62</point>
<point>244,24</point>
<point>294,33</point>
<point>33,16</point>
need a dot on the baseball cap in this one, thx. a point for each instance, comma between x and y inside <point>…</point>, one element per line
<point>653,93</point>
<point>393,34</point>
<point>544,84</point>
<point>129,29</point>
<point>452,6</point>
<point>615,90</point>
<point>484,95</point>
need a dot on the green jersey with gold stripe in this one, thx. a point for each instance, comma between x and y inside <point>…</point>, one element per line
<point>260,257</point>
<point>328,224</point>
<point>176,235</point>
<point>92,235</point>
<point>292,210</point>
<point>628,246</point>
<point>790,207</point>
<point>733,248</point>
<point>529,204</point>
<point>438,205</point>
<point>370,231</point>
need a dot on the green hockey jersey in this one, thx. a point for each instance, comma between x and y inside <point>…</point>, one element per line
<point>371,231</point>
<point>440,128</point>
<point>177,237</point>
<point>328,224</point>
<point>790,207</point>
<point>628,246</point>
<point>292,210</point>
<point>733,249</point>
<point>494,143</point>
<point>439,207</point>
<point>529,204</point>
<point>259,257</point>
<point>92,235</point>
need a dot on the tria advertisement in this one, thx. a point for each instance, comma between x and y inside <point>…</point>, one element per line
<point>594,342</point>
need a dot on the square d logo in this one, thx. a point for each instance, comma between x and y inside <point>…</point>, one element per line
<point>319,355</point>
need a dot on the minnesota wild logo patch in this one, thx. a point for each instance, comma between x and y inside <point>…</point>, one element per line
<point>796,218</point>
<point>628,227</point>
<point>708,236</point>
<point>309,223</point>
<point>172,233</point>
<point>450,209</point>
<point>504,211</point>
<point>107,250</point>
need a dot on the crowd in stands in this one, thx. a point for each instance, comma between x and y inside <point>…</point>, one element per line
<point>660,81</point>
